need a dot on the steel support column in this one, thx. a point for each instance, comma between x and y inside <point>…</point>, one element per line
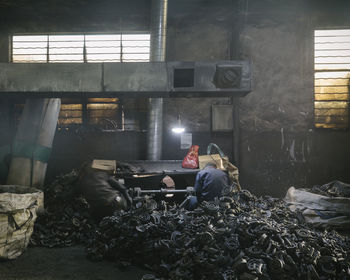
<point>155,105</point>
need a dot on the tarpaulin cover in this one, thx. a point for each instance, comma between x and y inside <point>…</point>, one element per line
<point>320,210</point>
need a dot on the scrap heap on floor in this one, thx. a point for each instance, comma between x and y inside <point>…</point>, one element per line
<point>67,220</point>
<point>240,236</point>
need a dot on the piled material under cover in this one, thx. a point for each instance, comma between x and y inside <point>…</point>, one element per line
<point>238,237</point>
<point>323,206</point>
<point>67,220</point>
<point>333,189</point>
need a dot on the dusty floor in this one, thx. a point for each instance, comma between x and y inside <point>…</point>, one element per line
<point>63,263</point>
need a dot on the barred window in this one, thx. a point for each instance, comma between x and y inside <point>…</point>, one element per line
<point>80,48</point>
<point>332,76</point>
<point>105,113</point>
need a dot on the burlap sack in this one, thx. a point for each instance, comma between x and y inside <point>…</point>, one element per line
<point>18,207</point>
<point>222,162</point>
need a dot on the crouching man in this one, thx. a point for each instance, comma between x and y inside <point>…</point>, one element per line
<point>209,184</point>
<point>102,191</point>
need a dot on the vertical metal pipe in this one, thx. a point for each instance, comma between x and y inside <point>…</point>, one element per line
<point>237,24</point>
<point>236,131</point>
<point>158,27</point>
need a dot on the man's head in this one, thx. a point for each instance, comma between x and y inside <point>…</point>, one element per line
<point>211,164</point>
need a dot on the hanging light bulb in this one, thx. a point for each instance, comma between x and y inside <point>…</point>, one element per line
<point>179,128</point>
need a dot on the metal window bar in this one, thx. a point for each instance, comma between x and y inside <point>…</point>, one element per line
<point>81,48</point>
<point>332,78</point>
<point>102,112</point>
<point>87,48</point>
<point>121,47</point>
<point>84,50</point>
<point>29,48</point>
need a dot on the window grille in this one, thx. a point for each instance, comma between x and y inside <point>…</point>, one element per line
<point>80,48</point>
<point>100,112</point>
<point>332,76</point>
<point>89,48</point>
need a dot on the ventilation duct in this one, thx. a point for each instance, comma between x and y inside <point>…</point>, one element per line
<point>159,10</point>
<point>129,80</point>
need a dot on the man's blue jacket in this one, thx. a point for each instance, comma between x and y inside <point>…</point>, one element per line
<point>209,183</point>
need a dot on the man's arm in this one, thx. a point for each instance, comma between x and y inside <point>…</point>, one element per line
<point>198,183</point>
<point>119,187</point>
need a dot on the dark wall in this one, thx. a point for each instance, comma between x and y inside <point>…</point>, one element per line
<point>6,135</point>
<point>279,145</point>
<point>189,24</point>
<point>74,15</point>
<point>71,148</point>
<point>198,30</point>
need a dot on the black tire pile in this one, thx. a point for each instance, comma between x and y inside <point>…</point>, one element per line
<point>240,236</point>
<point>67,220</point>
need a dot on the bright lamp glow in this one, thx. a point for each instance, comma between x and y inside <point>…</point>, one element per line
<point>178,127</point>
<point>178,130</point>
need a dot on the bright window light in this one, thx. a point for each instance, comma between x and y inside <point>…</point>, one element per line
<point>81,48</point>
<point>66,48</point>
<point>136,47</point>
<point>29,48</point>
<point>103,48</point>
<point>332,78</point>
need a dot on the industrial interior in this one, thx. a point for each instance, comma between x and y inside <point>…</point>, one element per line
<point>174,139</point>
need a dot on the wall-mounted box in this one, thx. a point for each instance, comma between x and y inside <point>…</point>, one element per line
<point>222,118</point>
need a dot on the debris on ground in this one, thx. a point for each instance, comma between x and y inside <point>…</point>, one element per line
<point>239,236</point>
<point>67,220</point>
<point>333,189</point>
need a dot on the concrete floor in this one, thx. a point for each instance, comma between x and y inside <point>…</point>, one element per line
<point>63,263</point>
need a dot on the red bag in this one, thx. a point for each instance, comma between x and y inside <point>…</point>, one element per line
<point>191,159</point>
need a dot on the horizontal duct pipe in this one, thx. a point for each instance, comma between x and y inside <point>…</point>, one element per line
<point>153,79</point>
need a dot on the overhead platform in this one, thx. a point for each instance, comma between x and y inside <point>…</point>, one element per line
<point>137,79</point>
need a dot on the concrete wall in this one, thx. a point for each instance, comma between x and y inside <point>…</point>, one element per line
<point>197,30</point>
<point>279,146</point>
<point>71,148</point>
<point>189,24</point>
<point>6,136</point>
